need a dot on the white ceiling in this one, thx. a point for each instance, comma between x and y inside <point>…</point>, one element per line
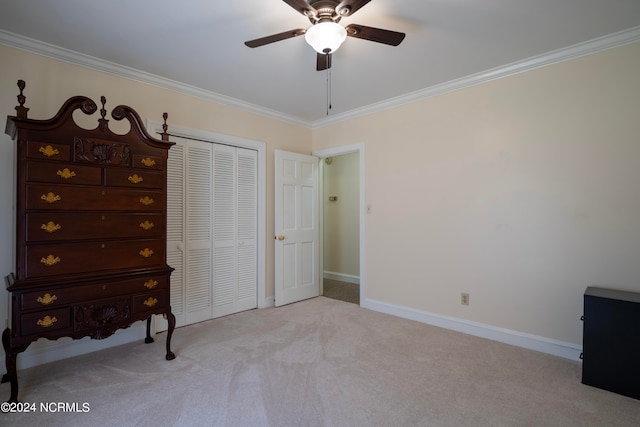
<point>201,43</point>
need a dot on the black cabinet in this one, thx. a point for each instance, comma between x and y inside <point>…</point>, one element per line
<point>611,341</point>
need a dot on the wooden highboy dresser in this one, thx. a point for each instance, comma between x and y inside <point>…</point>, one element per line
<point>90,229</point>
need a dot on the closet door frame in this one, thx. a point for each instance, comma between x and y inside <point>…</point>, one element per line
<point>261,148</point>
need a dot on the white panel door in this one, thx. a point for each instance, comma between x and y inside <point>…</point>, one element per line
<point>296,227</point>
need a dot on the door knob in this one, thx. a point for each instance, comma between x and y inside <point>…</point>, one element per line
<point>280,237</point>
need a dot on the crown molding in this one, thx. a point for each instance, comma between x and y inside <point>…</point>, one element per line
<point>66,55</point>
<point>621,38</point>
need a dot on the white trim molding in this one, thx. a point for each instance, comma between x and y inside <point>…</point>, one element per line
<point>66,55</point>
<point>610,41</point>
<point>507,336</point>
<point>621,38</point>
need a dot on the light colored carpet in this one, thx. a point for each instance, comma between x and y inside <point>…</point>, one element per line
<point>320,362</point>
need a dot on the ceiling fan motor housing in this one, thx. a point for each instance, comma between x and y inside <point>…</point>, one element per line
<point>326,11</point>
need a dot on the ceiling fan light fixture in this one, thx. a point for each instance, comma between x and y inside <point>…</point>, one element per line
<point>325,37</point>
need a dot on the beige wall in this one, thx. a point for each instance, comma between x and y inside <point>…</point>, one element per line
<point>50,82</point>
<point>341,218</point>
<point>521,191</point>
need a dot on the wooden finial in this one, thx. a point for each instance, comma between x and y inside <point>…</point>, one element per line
<point>165,135</point>
<point>103,122</point>
<point>21,109</point>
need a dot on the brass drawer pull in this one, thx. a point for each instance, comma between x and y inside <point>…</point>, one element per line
<point>49,151</point>
<point>50,197</point>
<point>47,321</point>
<point>146,200</point>
<point>146,252</point>
<point>146,225</point>
<point>150,302</point>
<point>50,227</point>
<point>47,299</point>
<point>135,178</point>
<point>50,260</point>
<point>66,173</point>
<point>148,162</point>
<point>150,284</point>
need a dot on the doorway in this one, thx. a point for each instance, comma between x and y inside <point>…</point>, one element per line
<point>342,225</point>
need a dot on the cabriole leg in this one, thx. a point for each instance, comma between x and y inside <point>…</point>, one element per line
<point>148,339</point>
<point>10,360</point>
<point>171,319</point>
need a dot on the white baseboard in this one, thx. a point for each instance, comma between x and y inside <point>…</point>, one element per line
<point>507,336</point>
<point>347,278</point>
<point>46,351</point>
<point>268,302</point>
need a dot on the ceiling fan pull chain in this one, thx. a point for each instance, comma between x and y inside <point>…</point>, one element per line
<point>328,90</point>
<point>327,94</point>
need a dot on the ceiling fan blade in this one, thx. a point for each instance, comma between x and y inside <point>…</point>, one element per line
<point>275,37</point>
<point>379,35</point>
<point>302,7</point>
<point>323,61</point>
<point>349,7</point>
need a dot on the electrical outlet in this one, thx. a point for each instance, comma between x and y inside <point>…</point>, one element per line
<point>464,298</point>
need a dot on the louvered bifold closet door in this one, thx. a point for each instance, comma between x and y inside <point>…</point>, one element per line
<point>198,294</point>
<point>247,249</point>
<point>175,231</point>
<point>234,230</point>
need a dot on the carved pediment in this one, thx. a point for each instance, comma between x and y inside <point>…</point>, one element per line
<point>102,151</point>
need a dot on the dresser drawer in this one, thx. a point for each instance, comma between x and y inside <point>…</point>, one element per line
<point>69,258</point>
<point>65,173</point>
<point>42,227</point>
<point>61,197</point>
<point>150,301</point>
<point>52,298</point>
<point>45,321</point>
<point>133,178</point>
<point>41,150</point>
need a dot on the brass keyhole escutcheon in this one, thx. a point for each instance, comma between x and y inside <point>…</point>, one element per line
<point>49,151</point>
<point>50,197</point>
<point>146,225</point>
<point>150,302</point>
<point>50,227</point>
<point>135,179</point>
<point>47,321</point>
<point>66,173</point>
<point>50,260</point>
<point>150,284</point>
<point>47,299</point>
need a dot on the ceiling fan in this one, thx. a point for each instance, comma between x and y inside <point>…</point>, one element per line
<point>326,35</point>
